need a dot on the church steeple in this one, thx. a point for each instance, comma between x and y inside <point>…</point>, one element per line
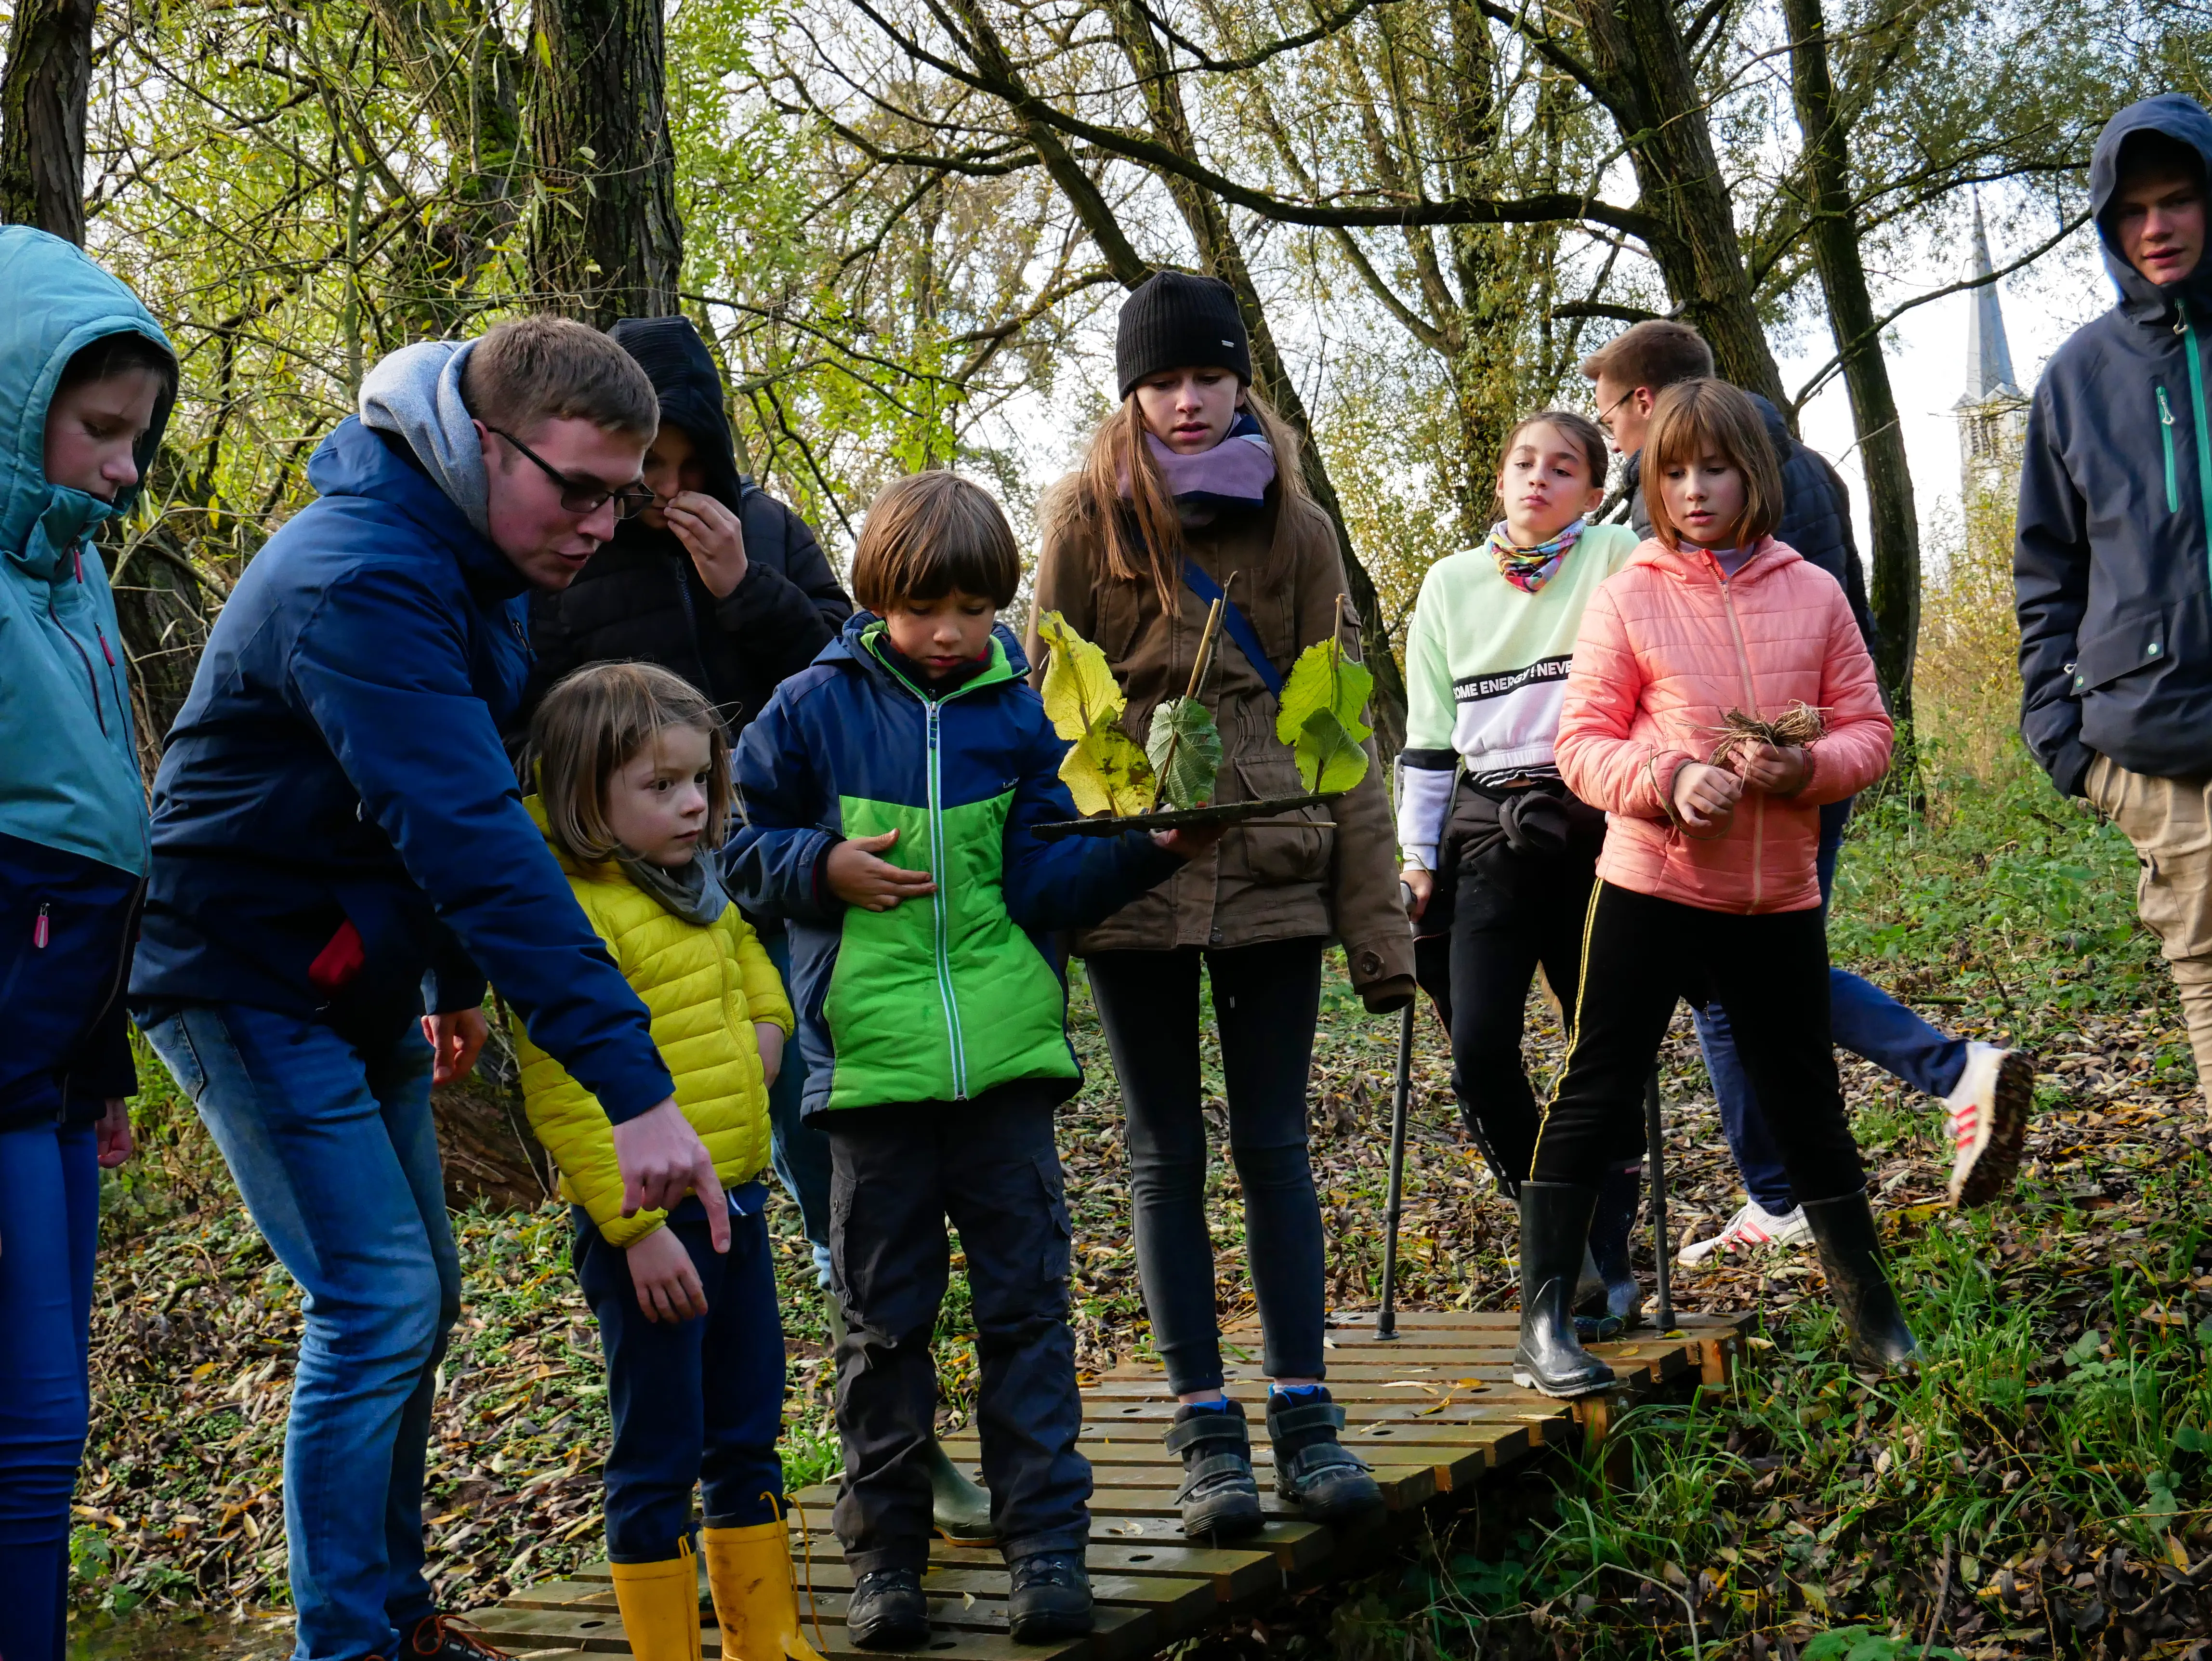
<point>1992,411</point>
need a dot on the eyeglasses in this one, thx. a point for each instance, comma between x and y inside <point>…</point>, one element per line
<point>1604,416</point>
<point>583,496</point>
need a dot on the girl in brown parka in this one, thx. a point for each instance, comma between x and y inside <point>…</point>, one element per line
<point>1192,482</point>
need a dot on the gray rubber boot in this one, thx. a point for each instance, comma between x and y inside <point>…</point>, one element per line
<point>1555,1221</point>
<point>959,1509</point>
<point>1851,1252</point>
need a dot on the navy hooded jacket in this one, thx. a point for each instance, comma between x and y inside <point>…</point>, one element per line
<point>2113,565</point>
<point>334,819</point>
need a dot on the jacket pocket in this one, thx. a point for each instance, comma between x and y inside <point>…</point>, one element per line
<point>1056,1241</point>
<point>1291,848</point>
<point>2139,638</point>
<point>2166,441</point>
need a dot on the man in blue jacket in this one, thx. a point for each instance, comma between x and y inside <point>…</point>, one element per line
<point>338,845</point>
<point>2112,567</point>
<point>1986,1090</point>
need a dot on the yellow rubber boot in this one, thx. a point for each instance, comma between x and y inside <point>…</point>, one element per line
<point>750,1570</point>
<point>660,1604</point>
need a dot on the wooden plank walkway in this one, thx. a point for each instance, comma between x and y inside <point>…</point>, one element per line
<point>1432,1410</point>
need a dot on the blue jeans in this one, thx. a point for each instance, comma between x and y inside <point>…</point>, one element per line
<point>800,1153</point>
<point>696,1403</point>
<point>333,1150</point>
<point>49,1224</point>
<point>1863,1018</point>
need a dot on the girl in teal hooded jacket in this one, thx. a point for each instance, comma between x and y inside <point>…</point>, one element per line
<point>86,382</point>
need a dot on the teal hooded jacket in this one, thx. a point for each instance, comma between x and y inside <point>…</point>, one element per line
<point>69,761</point>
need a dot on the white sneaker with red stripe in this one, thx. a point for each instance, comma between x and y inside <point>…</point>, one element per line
<point>1989,1121</point>
<point>1754,1228</point>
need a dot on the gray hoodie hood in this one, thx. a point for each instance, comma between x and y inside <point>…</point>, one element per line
<point>2180,117</point>
<point>416,395</point>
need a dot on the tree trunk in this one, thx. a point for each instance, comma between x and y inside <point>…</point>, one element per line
<point>1223,256</point>
<point>1640,58</point>
<point>605,243</point>
<point>42,98</point>
<point>1893,584</point>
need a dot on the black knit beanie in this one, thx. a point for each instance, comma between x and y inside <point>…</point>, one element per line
<point>1178,321</point>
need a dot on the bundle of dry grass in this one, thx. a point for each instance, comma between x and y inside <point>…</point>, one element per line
<point>1799,725</point>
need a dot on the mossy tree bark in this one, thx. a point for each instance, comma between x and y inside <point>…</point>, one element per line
<point>42,98</point>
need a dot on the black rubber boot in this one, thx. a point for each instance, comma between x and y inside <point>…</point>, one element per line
<point>1219,1498</point>
<point>1607,1288</point>
<point>1325,1480</point>
<point>1051,1597</point>
<point>1851,1252</point>
<point>958,1509</point>
<point>1554,1228</point>
<point>888,1611</point>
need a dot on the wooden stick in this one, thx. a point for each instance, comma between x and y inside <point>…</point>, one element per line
<point>1205,640</point>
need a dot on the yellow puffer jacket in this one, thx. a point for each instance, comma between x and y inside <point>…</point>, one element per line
<point>704,989</point>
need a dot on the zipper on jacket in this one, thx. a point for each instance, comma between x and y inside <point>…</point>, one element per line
<point>1751,708</point>
<point>942,920</point>
<point>43,930</point>
<point>2166,439</point>
<point>91,675</point>
<point>2188,350</point>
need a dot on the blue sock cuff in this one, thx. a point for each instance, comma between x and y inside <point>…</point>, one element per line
<point>1295,1389</point>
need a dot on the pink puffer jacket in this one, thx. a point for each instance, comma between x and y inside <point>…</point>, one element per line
<point>1667,646</point>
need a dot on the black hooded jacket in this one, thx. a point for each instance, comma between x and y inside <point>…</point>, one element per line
<point>2113,565</point>
<point>1816,511</point>
<point>640,597</point>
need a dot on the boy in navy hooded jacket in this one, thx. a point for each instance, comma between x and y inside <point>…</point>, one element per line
<point>2113,565</point>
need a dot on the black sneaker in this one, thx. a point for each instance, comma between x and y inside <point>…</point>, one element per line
<point>888,1611</point>
<point>1051,1597</point>
<point>438,1637</point>
<point>1219,1498</point>
<point>1325,1480</point>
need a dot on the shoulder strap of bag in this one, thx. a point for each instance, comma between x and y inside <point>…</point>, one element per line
<point>1239,625</point>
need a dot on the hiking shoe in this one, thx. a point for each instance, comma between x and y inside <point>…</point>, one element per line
<point>1753,1228</point>
<point>1051,1597</point>
<point>1326,1481</point>
<point>1219,1498</point>
<point>888,1611</point>
<point>1989,1121</point>
<point>438,1637</point>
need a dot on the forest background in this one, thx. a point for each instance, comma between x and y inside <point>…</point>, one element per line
<point>903,227</point>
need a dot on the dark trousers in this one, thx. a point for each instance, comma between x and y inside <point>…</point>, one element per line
<point>696,1403</point>
<point>898,1174</point>
<point>1266,1000</point>
<point>1769,972</point>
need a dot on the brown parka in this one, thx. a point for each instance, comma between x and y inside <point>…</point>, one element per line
<point>1260,883</point>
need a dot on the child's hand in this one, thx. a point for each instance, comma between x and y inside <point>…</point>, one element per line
<point>1705,798</point>
<point>859,877</point>
<point>770,1037</point>
<point>667,1280</point>
<point>1192,842</point>
<point>1780,769</point>
<point>1422,886</point>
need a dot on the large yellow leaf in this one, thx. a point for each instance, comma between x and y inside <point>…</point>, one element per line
<point>1106,773</point>
<point>1080,693</point>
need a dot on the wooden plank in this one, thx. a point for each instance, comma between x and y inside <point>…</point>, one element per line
<point>1478,1407</point>
<point>958,1632</point>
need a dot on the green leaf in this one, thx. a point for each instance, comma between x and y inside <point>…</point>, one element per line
<point>1106,773</point>
<point>1080,693</point>
<point>1185,750</point>
<point>1330,756</point>
<point>1324,677</point>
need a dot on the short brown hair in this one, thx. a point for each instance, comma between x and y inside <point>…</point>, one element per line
<point>532,369</point>
<point>1655,353</point>
<point>931,534</point>
<point>589,727</point>
<point>1695,419</point>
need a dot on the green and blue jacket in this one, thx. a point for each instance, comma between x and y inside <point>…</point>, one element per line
<point>942,998</point>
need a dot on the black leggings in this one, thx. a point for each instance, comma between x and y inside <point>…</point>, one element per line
<point>1769,972</point>
<point>1266,1000</point>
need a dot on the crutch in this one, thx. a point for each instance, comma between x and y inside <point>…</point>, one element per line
<point>1386,1318</point>
<point>1655,1134</point>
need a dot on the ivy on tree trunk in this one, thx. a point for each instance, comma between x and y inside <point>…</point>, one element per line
<point>605,242</point>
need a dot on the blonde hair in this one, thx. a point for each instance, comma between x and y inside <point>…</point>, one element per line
<point>931,534</point>
<point>590,725</point>
<point>1693,419</point>
<point>1141,535</point>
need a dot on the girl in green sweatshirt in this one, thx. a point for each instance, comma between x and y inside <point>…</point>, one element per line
<point>1500,854</point>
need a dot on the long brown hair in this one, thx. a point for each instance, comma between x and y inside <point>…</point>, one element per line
<point>1142,534</point>
<point>587,729</point>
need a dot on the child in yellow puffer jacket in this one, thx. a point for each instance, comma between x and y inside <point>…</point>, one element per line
<point>633,774</point>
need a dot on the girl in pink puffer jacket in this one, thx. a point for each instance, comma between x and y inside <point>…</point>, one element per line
<point>1706,886</point>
